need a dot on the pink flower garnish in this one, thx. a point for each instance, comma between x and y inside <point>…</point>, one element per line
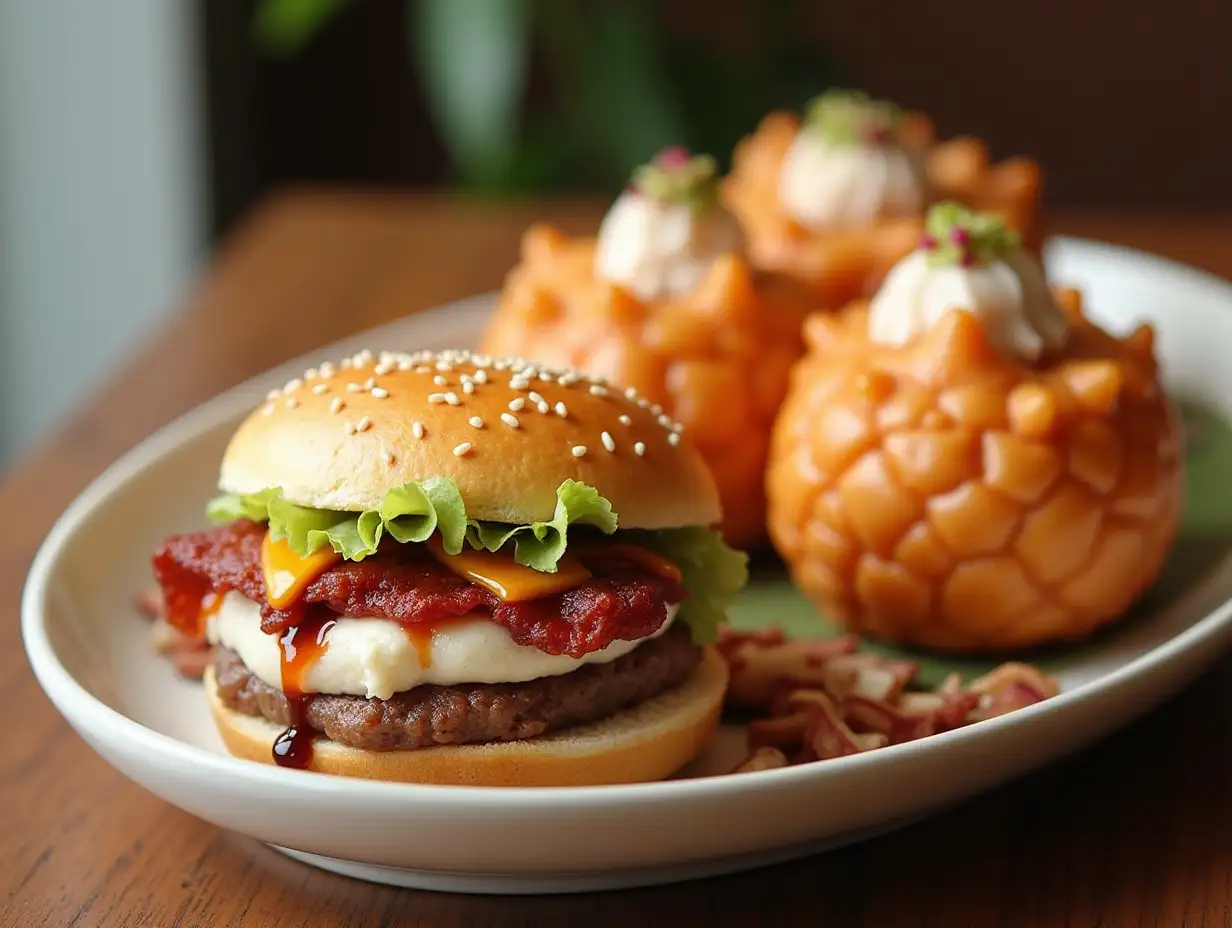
<point>928,243</point>
<point>876,134</point>
<point>674,156</point>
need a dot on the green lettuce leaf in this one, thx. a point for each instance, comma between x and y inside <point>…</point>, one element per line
<point>412,513</point>
<point>712,572</point>
<point>542,544</point>
<point>231,506</point>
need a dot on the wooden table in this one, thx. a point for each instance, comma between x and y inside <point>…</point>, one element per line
<point>1134,831</point>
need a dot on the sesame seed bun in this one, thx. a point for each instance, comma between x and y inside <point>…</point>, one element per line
<point>647,742</point>
<point>341,436</point>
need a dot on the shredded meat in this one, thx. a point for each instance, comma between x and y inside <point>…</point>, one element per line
<point>405,584</point>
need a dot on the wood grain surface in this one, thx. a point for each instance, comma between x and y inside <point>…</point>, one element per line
<point>1134,831</point>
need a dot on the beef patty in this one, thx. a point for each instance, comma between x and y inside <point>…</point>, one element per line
<point>477,712</point>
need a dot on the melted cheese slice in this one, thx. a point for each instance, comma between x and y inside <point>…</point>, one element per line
<point>643,557</point>
<point>508,580</point>
<point>287,574</point>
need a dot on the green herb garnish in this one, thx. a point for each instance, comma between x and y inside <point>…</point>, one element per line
<point>676,176</point>
<point>851,117</point>
<point>957,236</point>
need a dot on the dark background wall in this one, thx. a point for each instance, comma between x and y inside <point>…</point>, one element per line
<point>1126,103</point>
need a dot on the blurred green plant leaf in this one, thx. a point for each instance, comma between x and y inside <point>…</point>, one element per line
<point>623,86</point>
<point>723,98</point>
<point>284,27</point>
<point>473,56</point>
<point>613,86</point>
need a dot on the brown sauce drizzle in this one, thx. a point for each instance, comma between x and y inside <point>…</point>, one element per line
<point>420,636</point>
<point>301,646</point>
<point>210,604</point>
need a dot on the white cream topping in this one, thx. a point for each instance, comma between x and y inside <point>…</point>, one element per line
<point>1009,297</point>
<point>658,248</point>
<point>829,186</point>
<point>377,658</point>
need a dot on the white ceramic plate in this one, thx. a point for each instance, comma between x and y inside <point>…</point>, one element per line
<point>91,654</point>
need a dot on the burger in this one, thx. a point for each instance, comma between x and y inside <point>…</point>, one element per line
<point>457,569</point>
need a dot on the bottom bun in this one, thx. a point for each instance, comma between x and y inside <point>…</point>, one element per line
<point>649,741</point>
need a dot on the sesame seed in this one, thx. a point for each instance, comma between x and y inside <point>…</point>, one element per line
<point>444,366</point>
<point>293,384</point>
<point>383,368</point>
<point>435,398</point>
<point>440,381</point>
<point>510,420</point>
<point>535,397</point>
<point>354,387</point>
<point>379,393</point>
<point>405,364</point>
<point>468,388</point>
<point>292,402</point>
<point>517,383</point>
<point>561,410</point>
<point>452,399</point>
<point>639,449</point>
<point>643,402</point>
<point>544,375</point>
<point>346,364</point>
<point>481,376</point>
<point>370,383</point>
<point>656,410</point>
<point>417,429</point>
<point>337,405</point>
<point>596,390</point>
<point>327,369</point>
<point>475,422</point>
<point>578,451</point>
<point>568,379</point>
<point>310,374</point>
<point>630,393</point>
<point>267,411</point>
<point>423,369</point>
<point>273,395</point>
<point>677,427</point>
<point>624,420</point>
<point>461,449</point>
<point>364,357</point>
<point>665,421</point>
<point>350,427</point>
<point>544,407</point>
<point>387,456</point>
<point>517,403</point>
<point>673,438</point>
<point>363,425</point>
<point>608,442</point>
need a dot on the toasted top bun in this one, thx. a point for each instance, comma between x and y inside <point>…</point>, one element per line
<point>507,433</point>
<point>646,742</point>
